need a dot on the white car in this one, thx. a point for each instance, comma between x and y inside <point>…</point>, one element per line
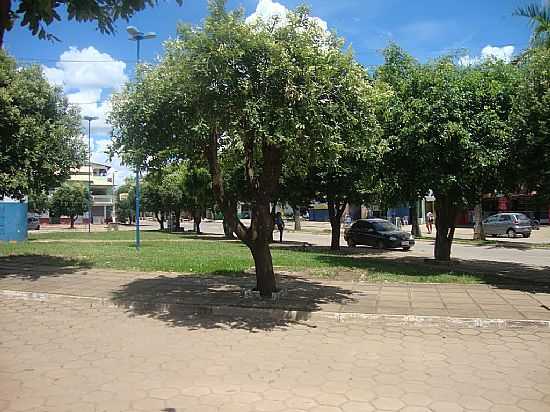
<point>33,223</point>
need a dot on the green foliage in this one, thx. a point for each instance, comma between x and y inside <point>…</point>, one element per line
<point>530,121</point>
<point>37,14</point>
<point>198,188</point>
<point>70,199</point>
<point>446,126</point>
<point>39,132</point>
<point>539,20</point>
<point>126,201</point>
<point>38,202</point>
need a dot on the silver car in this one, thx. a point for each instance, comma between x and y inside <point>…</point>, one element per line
<point>33,223</point>
<point>509,224</point>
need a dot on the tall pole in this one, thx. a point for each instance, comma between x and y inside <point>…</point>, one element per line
<point>138,36</point>
<point>138,194</point>
<point>89,174</point>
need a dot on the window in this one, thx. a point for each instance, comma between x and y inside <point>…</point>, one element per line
<point>505,218</point>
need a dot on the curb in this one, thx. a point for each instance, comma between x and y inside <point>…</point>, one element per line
<point>284,315</point>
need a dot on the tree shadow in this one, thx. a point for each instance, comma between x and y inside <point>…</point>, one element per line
<point>217,301</point>
<point>33,267</point>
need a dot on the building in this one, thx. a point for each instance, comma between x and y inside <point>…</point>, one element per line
<point>102,192</point>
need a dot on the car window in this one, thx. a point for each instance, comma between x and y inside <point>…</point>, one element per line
<point>384,227</point>
<point>359,226</point>
<point>521,216</point>
<point>505,218</point>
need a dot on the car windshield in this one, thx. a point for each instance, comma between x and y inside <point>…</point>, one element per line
<point>384,226</point>
<point>521,216</point>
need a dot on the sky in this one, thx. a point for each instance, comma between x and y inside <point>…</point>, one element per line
<point>91,66</point>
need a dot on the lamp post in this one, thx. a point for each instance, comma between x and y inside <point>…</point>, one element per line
<point>138,36</point>
<point>89,119</point>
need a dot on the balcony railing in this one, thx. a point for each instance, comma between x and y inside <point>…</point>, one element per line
<point>108,199</point>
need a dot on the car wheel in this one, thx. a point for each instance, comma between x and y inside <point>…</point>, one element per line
<point>351,243</point>
<point>380,245</point>
<point>526,235</point>
<point>511,233</point>
<point>406,248</point>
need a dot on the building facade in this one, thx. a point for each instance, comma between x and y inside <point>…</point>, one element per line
<point>101,190</point>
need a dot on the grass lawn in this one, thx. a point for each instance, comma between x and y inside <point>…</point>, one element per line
<point>185,253</point>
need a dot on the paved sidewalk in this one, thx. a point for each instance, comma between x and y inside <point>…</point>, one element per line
<point>306,296</point>
<point>69,355</point>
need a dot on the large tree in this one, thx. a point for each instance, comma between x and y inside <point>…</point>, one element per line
<point>198,193</point>
<point>37,14</point>
<point>39,132</point>
<point>70,199</point>
<point>268,88</point>
<point>530,121</point>
<point>447,129</point>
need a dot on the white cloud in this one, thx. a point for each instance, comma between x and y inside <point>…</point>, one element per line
<point>88,77</point>
<point>489,52</point>
<point>87,68</point>
<point>268,9</point>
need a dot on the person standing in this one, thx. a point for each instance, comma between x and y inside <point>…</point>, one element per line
<point>429,221</point>
<point>280,225</point>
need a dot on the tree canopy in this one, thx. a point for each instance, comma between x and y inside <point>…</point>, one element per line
<point>39,132</point>
<point>70,199</point>
<point>447,129</point>
<point>283,94</point>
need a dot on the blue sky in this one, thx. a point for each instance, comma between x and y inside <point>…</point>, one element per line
<point>425,28</point>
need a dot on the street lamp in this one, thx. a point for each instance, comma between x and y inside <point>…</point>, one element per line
<point>89,119</point>
<point>138,36</point>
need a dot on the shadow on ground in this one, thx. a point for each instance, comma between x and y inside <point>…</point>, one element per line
<point>216,302</point>
<point>33,267</point>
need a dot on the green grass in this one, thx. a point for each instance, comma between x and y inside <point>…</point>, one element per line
<point>184,253</point>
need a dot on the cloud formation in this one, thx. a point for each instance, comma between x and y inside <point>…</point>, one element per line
<point>489,52</point>
<point>88,78</point>
<point>268,9</point>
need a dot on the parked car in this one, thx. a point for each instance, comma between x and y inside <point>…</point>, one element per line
<point>509,224</point>
<point>378,233</point>
<point>33,223</point>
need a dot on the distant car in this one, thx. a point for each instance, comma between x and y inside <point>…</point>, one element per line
<point>33,223</point>
<point>378,233</point>
<point>535,224</point>
<point>509,224</point>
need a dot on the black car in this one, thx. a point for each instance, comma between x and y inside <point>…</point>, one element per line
<point>379,233</point>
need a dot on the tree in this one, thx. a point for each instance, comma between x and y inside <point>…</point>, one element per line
<point>539,20</point>
<point>36,14</point>
<point>38,202</point>
<point>70,199</point>
<point>126,206</point>
<point>267,88</point>
<point>447,130</point>
<point>198,192</point>
<point>152,199</point>
<point>530,122</point>
<point>39,132</point>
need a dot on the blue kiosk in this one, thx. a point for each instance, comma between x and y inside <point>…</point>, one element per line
<point>13,221</point>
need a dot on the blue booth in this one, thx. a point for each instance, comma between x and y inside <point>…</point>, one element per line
<point>13,221</point>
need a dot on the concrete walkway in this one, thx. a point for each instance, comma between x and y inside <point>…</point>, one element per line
<point>150,293</point>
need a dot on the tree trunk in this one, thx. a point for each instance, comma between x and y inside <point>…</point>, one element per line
<point>445,219</point>
<point>197,217</point>
<point>335,212</point>
<point>261,227</point>
<point>5,7</point>
<point>227,230</point>
<point>160,219</point>
<point>177,214</point>
<point>297,221</point>
<point>415,229</point>
<point>71,218</point>
<point>266,282</point>
<point>479,233</point>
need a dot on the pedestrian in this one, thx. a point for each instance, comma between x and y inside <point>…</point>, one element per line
<point>429,221</point>
<point>280,225</point>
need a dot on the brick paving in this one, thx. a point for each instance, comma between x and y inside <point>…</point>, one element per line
<point>69,354</point>
<point>446,300</point>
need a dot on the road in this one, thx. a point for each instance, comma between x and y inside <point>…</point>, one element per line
<point>424,248</point>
